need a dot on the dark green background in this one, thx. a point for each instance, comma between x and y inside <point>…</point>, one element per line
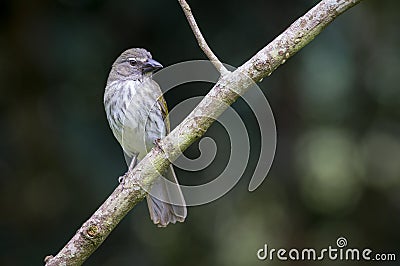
<point>336,105</point>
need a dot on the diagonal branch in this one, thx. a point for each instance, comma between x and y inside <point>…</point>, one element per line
<point>200,39</point>
<point>95,230</point>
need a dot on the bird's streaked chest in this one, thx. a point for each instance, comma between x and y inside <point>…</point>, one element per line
<point>134,114</point>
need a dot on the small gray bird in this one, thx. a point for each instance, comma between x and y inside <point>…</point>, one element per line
<point>137,114</point>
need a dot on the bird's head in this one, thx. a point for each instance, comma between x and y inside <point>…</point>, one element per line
<point>134,64</point>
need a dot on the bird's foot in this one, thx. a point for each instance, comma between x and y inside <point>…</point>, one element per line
<point>121,179</point>
<point>157,143</point>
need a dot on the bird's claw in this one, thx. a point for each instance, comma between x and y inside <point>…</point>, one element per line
<point>121,179</point>
<point>157,143</point>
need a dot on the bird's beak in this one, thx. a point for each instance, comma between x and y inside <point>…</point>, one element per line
<point>151,65</point>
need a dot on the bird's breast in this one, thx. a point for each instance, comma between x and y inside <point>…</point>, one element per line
<point>134,115</point>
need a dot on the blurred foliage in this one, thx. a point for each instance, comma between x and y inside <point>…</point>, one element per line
<point>336,105</point>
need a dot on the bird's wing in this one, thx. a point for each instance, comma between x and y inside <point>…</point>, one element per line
<point>164,111</point>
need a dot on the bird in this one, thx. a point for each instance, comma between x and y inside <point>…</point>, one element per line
<point>138,117</point>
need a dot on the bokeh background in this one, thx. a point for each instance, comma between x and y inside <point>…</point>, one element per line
<point>336,105</point>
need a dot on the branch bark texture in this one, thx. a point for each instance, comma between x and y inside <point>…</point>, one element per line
<point>226,91</point>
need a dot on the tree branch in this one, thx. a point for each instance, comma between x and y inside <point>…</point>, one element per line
<point>200,39</point>
<point>95,230</point>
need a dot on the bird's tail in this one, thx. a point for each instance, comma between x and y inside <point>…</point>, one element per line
<point>162,212</point>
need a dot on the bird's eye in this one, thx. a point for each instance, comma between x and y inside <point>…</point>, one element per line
<point>132,62</point>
